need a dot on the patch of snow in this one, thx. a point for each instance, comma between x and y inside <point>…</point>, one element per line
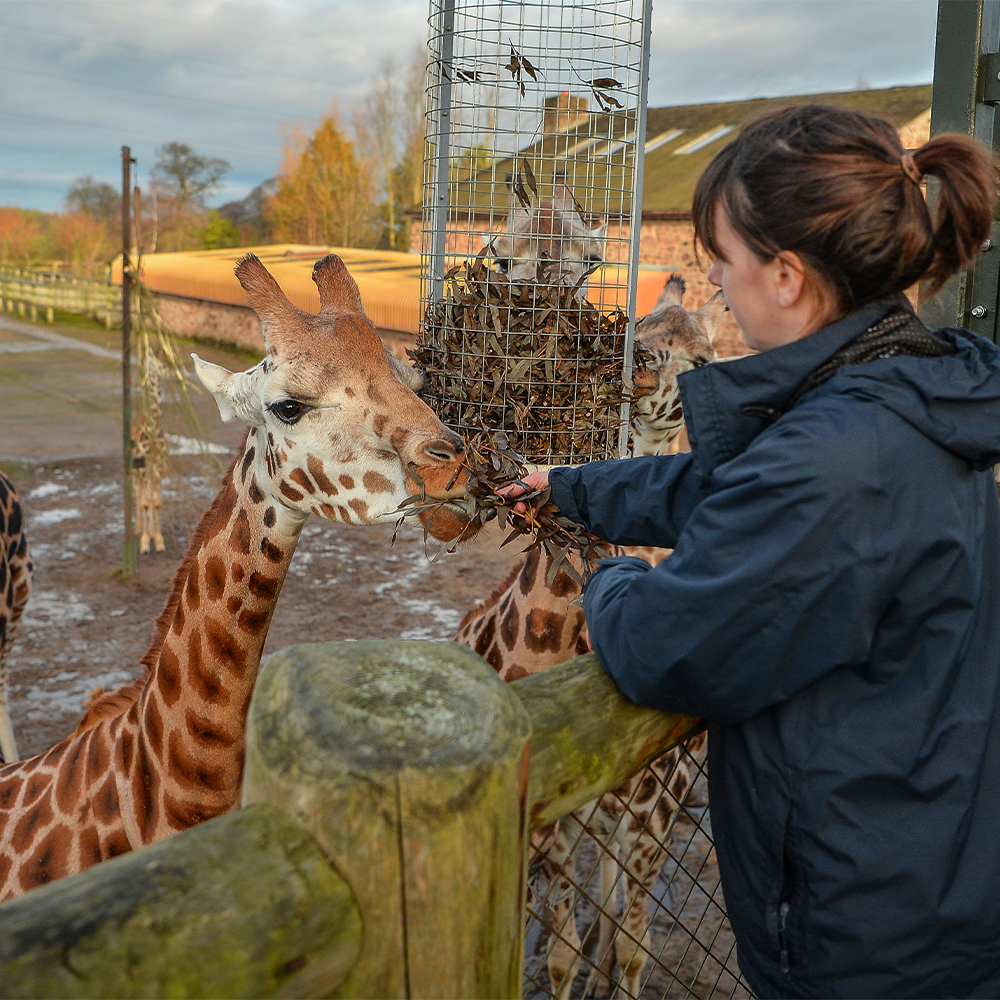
<point>45,490</point>
<point>178,444</point>
<point>446,620</point>
<point>41,518</point>
<point>55,607</point>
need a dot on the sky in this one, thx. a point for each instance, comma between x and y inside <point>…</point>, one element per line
<point>79,79</point>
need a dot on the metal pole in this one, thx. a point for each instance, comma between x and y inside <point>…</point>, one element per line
<point>635,224</point>
<point>966,94</point>
<point>442,152</point>
<point>128,546</point>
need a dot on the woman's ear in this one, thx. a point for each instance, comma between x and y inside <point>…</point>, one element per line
<point>790,281</point>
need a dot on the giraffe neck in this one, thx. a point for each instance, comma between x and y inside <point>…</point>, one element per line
<point>179,750</point>
<point>650,440</point>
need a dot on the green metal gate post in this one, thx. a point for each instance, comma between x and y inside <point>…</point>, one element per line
<point>965,99</point>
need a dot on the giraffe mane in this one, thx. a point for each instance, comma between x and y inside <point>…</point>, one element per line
<point>102,705</point>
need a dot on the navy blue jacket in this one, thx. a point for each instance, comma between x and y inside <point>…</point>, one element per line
<point>832,608</point>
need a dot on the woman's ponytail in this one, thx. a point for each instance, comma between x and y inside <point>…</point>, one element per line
<point>967,182</point>
<point>837,188</point>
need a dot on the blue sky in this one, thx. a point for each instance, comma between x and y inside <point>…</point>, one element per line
<point>78,79</point>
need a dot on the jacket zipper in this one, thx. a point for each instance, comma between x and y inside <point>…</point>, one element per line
<point>782,941</point>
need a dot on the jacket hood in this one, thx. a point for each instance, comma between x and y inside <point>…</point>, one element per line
<point>953,400</point>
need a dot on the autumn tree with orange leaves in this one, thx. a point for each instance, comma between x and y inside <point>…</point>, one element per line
<point>324,195</point>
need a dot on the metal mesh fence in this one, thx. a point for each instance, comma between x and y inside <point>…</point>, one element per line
<point>624,895</point>
<point>532,184</point>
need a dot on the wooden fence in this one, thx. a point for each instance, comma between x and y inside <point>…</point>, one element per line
<point>390,788</point>
<point>27,292</point>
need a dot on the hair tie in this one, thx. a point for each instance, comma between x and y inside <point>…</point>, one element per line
<point>910,168</point>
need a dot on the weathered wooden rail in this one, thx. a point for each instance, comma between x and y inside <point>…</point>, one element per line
<point>381,850</point>
<point>26,292</point>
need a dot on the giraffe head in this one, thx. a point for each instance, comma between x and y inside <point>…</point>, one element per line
<point>550,240</point>
<point>679,341</point>
<point>337,427</point>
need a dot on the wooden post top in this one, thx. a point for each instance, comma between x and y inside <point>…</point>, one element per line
<point>369,708</point>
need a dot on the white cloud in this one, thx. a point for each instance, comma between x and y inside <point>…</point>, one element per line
<point>77,80</point>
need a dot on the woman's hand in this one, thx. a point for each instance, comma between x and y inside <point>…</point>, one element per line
<point>530,483</point>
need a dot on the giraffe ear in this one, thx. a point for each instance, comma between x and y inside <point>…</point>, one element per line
<point>711,312</point>
<point>338,291</point>
<point>234,393</point>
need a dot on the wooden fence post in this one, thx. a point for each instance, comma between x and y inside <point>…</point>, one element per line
<point>245,905</point>
<point>408,762</point>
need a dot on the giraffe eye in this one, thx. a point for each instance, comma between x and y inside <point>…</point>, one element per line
<point>503,263</point>
<point>288,411</point>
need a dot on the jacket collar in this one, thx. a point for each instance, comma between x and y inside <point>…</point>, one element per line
<point>714,397</point>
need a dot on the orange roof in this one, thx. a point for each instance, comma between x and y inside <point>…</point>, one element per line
<point>389,281</point>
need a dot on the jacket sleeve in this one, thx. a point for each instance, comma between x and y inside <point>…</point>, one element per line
<point>633,501</point>
<point>770,585</point>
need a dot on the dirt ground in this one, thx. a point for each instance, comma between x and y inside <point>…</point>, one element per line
<point>60,441</point>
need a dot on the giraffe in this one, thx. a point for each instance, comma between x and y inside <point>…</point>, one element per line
<point>551,239</point>
<point>15,586</point>
<point>149,461</point>
<point>528,624</point>
<point>335,429</point>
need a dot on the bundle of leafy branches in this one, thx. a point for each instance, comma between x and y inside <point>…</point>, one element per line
<point>491,464</point>
<point>531,359</point>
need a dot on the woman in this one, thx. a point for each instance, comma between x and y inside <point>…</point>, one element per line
<point>832,605</point>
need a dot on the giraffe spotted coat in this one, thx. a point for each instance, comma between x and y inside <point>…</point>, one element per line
<point>15,587</point>
<point>335,429</point>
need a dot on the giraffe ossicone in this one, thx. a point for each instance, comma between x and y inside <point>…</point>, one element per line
<point>335,429</point>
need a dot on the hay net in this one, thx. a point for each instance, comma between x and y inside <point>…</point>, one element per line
<point>532,186</point>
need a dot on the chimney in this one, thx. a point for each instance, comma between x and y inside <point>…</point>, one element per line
<point>563,112</point>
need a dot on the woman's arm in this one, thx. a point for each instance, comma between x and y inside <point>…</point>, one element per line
<point>635,501</point>
<point>771,584</point>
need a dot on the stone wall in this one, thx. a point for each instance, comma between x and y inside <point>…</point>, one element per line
<point>201,319</point>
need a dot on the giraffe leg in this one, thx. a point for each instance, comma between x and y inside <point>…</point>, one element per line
<point>564,953</point>
<point>142,510</point>
<point>609,900</point>
<point>154,515</point>
<point>646,855</point>
<point>634,943</point>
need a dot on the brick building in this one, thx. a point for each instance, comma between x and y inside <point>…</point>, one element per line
<point>680,142</point>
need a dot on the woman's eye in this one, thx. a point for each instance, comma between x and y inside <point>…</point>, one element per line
<point>288,410</point>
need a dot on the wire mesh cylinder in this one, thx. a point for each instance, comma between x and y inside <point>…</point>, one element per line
<point>530,226</point>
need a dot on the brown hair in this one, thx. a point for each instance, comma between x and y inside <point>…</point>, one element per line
<point>837,188</point>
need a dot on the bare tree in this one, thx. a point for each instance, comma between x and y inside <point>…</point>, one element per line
<point>186,177</point>
<point>181,181</point>
<point>390,133</point>
<point>93,198</point>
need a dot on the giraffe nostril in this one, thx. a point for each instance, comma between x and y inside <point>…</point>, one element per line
<point>442,451</point>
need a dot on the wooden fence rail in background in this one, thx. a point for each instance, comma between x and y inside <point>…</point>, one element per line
<point>407,765</point>
<point>26,292</point>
